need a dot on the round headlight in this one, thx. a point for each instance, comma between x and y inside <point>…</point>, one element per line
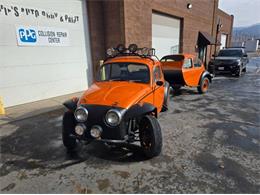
<point>113,117</point>
<point>79,129</point>
<point>81,114</point>
<point>96,131</point>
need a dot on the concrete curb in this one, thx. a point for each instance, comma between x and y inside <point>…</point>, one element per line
<point>29,110</point>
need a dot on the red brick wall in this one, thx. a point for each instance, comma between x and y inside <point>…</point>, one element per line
<point>106,25</point>
<point>130,21</point>
<point>97,33</point>
<point>227,25</point>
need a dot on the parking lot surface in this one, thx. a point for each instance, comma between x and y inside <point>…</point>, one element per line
<point>211,144</point>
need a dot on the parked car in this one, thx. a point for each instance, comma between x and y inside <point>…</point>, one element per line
<point>185,70</point>
<point>122,105</point>
<point>229,60</point>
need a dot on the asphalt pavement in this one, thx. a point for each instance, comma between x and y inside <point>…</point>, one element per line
<point>211,144</point>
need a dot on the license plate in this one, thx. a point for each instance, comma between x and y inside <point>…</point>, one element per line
<point>221,68</point>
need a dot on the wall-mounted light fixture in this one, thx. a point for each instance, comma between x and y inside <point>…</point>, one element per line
<point>189,6</point>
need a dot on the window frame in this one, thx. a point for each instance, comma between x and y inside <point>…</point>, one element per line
<point>110,63</point>
<point>190,61</point>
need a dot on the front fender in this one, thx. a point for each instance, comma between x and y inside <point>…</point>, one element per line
<point>205,74</point>
<point>71,104</point>
<point>139,110</point>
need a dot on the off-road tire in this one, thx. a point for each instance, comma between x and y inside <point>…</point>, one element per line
<point>150,132</point>
<point>68,126</point>
<point>204,85</point>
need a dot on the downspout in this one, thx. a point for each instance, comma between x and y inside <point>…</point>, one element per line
<point>213,24</point>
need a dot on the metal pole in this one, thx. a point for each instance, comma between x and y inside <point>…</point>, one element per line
<point>215,51</point>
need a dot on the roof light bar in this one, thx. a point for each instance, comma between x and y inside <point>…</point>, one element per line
<point>132,50</point>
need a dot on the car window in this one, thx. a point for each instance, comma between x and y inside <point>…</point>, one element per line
<point>187,63</point>
<point>157,74</point>
<point>230,53</point>
<point>124,72</point>
<point>197,62</point>
<point>172,58</point>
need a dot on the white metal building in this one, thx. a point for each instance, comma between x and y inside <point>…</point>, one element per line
<point>44,49</point>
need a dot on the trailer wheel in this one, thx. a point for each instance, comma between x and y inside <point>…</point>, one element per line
<point>204,85</point>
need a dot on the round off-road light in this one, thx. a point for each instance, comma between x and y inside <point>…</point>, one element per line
<point>120,48</point>
<point>132,48</point>
<point>151,52</point>
<point>113,117</point>
<point>96,131</point>
<point>79,129</point>
<point>111,51</point>
<point>81,114</point>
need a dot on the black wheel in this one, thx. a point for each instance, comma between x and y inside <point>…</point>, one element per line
<point>68,125</point>
<point>239,72</point>
<point>150,136</point>
<point>204,85</point>
<point>166,98</point>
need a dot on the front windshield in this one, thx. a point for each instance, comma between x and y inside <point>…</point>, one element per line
<point>124,72</point>
<point>230,53</point>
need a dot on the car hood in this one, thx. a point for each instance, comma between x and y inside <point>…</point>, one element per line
<point>115,93</point>
<point>227,58</point>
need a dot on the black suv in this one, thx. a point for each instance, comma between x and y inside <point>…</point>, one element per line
<point>229,60</point>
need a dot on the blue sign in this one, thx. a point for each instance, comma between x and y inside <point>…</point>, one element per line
<point>27,35</point>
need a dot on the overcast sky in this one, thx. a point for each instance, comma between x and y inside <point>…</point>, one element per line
<point>246,12</point>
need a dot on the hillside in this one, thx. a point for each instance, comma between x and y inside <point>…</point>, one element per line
<point>244,33</point>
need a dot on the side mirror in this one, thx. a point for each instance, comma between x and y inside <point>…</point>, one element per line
<point>159,83</point>
<point>245,55</point>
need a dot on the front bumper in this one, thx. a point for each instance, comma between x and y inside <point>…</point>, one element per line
<point>96,117</point>
<point>224,68</point>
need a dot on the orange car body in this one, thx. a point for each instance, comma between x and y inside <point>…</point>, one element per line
<point>184,69</point>
<point>124,94</point>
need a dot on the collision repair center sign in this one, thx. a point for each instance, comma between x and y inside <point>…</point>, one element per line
<point>41,36</point>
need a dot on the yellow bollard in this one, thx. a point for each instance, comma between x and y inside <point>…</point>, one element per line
<point>2,109</point>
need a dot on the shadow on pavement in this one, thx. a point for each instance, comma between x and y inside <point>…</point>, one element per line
<point>37,143</point>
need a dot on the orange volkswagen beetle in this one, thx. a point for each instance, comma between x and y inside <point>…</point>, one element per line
<point>185,70</point>
<point>122,105</point>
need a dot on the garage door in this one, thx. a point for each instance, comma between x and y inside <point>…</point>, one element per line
<point>165,34</point>
<point>43,49</point>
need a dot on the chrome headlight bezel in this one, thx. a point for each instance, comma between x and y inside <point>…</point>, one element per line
<point>117,113</point>
<point>84,112</point>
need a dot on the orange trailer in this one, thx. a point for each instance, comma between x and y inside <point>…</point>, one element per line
<point>185,70</point>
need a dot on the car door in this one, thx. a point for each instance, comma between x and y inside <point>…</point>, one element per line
<point>198,70</point>
<point>187,71</point>
<point>192,73</point>
<point>158,90</point>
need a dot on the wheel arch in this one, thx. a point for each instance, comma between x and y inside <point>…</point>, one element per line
<point>207,75</point>
<point>71,104</point>
<point>139,110</point>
